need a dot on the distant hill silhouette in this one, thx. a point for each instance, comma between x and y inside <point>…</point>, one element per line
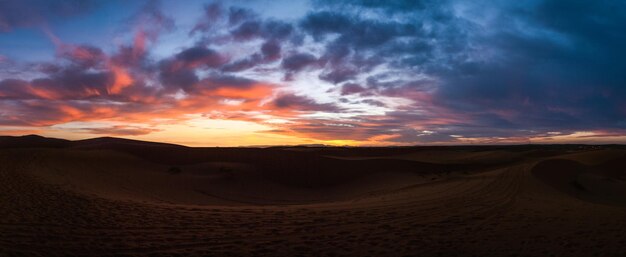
<point>36,141</point>
<point>108,142</point>
<point>32,141</point>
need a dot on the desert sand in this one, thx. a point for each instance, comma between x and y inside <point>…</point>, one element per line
<point>116,197</point>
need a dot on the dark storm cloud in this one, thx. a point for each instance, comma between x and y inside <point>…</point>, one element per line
<point>247,30</point>
<point>351,88</point>
<point>220,81</point>
<point>75,83</point>
<point>270,51</point>
<point>297,62</point>
<point>173,79</point>
<point>199,56</point>
<point>356,44</point>
<point>339,75</point>
<point>14,89</point>
<point>373,102</point>
<point>537,66</point>
<point>267,29</point>
<point>243,24</point>
<point>179,71</point>
<point>277,30</point>
<point>355,31</point>
<point>244,64</point>
<point>302,103</point>
<point>562,70</point>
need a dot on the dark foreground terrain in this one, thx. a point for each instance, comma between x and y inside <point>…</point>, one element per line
<point>116,197</point>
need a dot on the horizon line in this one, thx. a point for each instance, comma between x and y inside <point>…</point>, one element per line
<point>313,145</point>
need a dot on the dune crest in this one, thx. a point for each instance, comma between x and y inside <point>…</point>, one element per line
<point>600,183</point>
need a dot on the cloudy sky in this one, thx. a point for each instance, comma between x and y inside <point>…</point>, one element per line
<point>235,73</point>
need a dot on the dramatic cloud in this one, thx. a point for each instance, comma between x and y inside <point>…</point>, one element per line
<point>120,130</point>
<point>362,72</point>
<point>297,62</point>
<point>301,103</point>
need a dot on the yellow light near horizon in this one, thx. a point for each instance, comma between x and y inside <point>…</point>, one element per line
<point>197,131</point>
<point>214,132</point>
<point>200,131</point>
<point>341,142</point>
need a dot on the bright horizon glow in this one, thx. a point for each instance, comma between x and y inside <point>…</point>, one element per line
<point>198,137</point>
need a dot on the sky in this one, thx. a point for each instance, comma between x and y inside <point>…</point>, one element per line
<point>286,72</point>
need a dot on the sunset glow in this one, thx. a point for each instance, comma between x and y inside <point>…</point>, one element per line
<point>241,73</point>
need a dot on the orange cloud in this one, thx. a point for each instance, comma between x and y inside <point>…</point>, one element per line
<point>43,93</point>
<point>121,79</point>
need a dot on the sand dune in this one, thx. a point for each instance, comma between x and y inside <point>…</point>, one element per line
<point>111,199</point>
<point>114,175</point>
<point>460,157</point>
<point>594,157</point>
<point>604,182</point>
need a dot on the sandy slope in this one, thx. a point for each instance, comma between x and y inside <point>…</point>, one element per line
<point>453,157</point>
<point>59,202</point>
<point>119,176</point>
